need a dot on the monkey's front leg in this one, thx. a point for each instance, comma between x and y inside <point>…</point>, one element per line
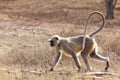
<point>57,59</point>
<point>74,56</point>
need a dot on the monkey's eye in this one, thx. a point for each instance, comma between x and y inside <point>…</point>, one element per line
<point>56,38</point>
<point>51,41</point>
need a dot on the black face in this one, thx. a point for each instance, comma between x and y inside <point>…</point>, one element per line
<point>51,43</point>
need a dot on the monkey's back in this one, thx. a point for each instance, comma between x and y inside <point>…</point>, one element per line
<point>75,44</point>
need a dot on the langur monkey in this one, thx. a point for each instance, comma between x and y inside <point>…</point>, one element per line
<point>76,45</point>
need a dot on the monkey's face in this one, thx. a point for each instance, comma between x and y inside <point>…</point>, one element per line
<point>54,41</point>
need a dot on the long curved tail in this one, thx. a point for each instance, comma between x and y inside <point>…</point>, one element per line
<point>103,23</point>
<point>93,33</point>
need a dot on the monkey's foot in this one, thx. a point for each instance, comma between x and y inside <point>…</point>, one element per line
<point>106,68</point>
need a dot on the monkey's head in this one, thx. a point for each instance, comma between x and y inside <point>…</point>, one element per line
<point>54,41</point>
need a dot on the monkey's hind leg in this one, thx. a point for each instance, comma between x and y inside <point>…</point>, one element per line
<point>97,56</point>
<point>85,59</point>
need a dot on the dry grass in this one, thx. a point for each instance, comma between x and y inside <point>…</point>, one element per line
<point>27,50</point>
<point>32,48</point>
<point>115,45</point>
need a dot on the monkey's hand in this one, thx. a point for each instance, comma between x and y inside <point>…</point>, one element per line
<point>79,70</point>
<point>51,69</point>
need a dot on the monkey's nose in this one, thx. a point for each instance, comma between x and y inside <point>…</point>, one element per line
<point>49,40</point>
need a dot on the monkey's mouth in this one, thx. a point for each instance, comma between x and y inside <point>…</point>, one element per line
<point>51,43</point>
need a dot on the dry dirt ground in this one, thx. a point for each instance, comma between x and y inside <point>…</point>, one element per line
<point>26,26</point>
